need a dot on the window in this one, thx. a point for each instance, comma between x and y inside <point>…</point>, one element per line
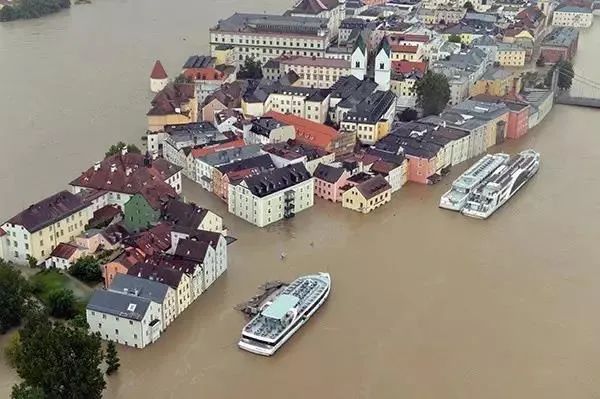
<point>16,254</point>
<point>104,316</point>
<point>116,331</point>
<point>26,246</point>
<point>131,322</point>
<point>99,325</point>
<point>381,66</point>
<point>116,318</point>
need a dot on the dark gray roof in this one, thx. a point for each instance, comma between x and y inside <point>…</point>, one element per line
<point>199,61</point>
<point>276,180</point>
<point>49,211</point>
<point>373,108</point>
<point>561,37</point>
<point>157,272</point>
<point>239,22</point>
<point>330,174</point>
<point>192,250</point>
<point>132,285</point>
<point>179,213</point>
<point>261,162</point>
<point>374,186</point>
<point>122,305</point>
<point>264,126</point>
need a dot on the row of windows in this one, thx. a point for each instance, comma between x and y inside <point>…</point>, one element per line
<point>275,42</point>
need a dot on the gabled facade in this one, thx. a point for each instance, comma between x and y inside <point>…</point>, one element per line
<point>367,196</point>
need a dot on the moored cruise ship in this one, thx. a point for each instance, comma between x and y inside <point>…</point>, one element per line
<point>502,184</point>
<point>457,196</point>
<point>279,319</point>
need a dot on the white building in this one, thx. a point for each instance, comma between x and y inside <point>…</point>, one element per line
<point>205,165</point>
<point>333,11</point>
<point>383,67</point>
<point>316,72</point>
<point>292,152</point>
<point>359,60</point>
<point>154,291</point>
<point>271,196</point>
<point>268,131</point>
<point>573,16</point>
<point>125,319</point>
<point>158,78</point>
<point>262,36</point>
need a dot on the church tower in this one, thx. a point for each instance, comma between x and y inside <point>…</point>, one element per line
<point>358,59</point>
<point>383,66</point>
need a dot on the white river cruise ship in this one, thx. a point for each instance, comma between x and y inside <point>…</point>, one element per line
<point>279,319</point>
<point>456,198</point>
<point>501,184</point>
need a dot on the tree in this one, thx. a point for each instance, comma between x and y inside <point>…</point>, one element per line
<point>469,6</point>
<point>31,261</point>
<point>117,148</point>
<point>408,115</point>
<point>12,349</point>
<point>64,362</point>
<point>112,358</point>
<point>87,268</point>
<point>25,391</point>
<point>454,38</point>
<point>565,75</point>
<point>433,93</point>
<point>14,292</point>
<point>251,69</point>
<point>62,303</point>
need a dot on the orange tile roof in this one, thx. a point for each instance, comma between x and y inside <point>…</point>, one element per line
<point>307,131</point>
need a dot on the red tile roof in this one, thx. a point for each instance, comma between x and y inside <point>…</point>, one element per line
<point>64,251</point>
<point>2,232</point>
<point>128,173</point>
<point>307,131</point>
<point>210,149</point>
<point>158,72</point>
<point>204,74</point>
<point>404,48</point>
<point>155,240</point>
<point>405,67</point>
<point>170,98</point>
<point>158,194</point>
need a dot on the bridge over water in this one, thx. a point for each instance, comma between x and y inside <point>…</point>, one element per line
<point>584,92</point>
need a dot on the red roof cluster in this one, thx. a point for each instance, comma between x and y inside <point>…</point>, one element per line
<point>172,97</point>
<point>210,149</point>
<point>404,48</point>
<point>307,131</point>
<point>405,67</point>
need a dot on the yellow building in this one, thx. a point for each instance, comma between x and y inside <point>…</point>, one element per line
<point>37,230</point>
<point>368,195</point>
<point>176,104</point>
<point>511,55</point>
<point>405,52</point>
<point>497,82</point>
<point>224,55</point>
<point>372,118</point>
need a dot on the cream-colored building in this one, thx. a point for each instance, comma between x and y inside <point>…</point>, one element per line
<point>312,104</point>
<point>37,230</point>
<point>368,195</point>
<point>511,55</point>
<point>271,196</point>
<point>573,16</point>
<point>316,72</point>
<point>262,36</point>
<point>371,119</point>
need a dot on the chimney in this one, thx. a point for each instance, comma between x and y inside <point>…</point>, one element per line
<point>113,168</point>
<point>97,165</point>
<point>124,150</point>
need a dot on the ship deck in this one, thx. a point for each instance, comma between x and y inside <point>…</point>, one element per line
<point>299,295</point>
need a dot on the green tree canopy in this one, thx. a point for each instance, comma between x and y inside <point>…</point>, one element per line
<point>87,268</point>
<point>63,361</point>
<point>408,115</point>
<point>116,149</point>
<point>14,292</point>
<point>565,75</point>
<point>433,93</point>
<point>112,358</point>
<point>28,9</point>
<point>252,69</point>
<point>454,38</point>
<point>25,391</point>
<point>62,303</point>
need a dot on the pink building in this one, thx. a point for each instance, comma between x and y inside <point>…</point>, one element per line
<point>329,180</point>
<point>518,119</point>
<point>421,167</point>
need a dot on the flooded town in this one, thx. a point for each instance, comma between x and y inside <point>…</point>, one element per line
<point>423,302</point>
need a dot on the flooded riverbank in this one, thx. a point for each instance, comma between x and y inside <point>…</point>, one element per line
<point>425,304</point>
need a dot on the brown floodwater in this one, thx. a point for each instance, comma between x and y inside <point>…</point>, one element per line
<point>425,304</point>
